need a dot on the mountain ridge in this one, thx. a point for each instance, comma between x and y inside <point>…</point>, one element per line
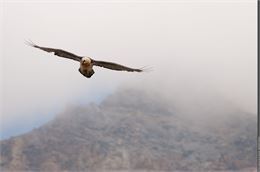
<point>132,130</point>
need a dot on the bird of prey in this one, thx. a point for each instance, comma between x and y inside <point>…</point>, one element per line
<point>86,63</point>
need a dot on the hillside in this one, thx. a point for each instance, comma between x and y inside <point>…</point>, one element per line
<point>133,130</point>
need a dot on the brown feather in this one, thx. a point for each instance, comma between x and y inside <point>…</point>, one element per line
<point>57,52</point>
<point>115,66</point>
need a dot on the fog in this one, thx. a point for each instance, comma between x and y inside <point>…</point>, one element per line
<point>199,51</point>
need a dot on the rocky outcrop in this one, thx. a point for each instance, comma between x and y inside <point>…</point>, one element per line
<point>133,130</point>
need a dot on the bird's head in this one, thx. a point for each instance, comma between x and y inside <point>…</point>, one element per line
<point>85,61</point>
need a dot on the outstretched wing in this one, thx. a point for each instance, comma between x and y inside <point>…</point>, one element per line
<point>57,52</point>
<point>114,66</point>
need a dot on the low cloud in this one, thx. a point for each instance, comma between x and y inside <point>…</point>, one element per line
<point>198,55</point>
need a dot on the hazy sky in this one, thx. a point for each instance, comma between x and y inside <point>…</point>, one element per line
<point>197,49</point>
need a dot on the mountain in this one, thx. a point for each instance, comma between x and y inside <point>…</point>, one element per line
<point>134,130</point>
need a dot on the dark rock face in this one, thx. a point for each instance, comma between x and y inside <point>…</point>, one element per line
<point>133,130</point>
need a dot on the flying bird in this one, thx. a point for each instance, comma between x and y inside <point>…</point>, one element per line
<point>86,63</point>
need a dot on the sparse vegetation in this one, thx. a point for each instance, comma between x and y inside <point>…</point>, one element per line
<point>116,136</point>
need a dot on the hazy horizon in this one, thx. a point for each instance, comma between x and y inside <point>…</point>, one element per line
<point>200,52</point>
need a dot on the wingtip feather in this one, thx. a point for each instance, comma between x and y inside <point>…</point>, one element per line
<point>145,69</point>
<point>30,43</point>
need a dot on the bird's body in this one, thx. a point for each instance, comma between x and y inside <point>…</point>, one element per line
<point>86,67</point>
<point>86,63</point>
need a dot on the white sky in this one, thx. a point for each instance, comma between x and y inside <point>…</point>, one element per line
<point>200,46</point>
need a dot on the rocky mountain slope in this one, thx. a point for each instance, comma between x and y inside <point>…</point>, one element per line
<point>133,130</point>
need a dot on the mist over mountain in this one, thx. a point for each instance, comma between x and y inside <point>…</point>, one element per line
<point>133,129</point>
